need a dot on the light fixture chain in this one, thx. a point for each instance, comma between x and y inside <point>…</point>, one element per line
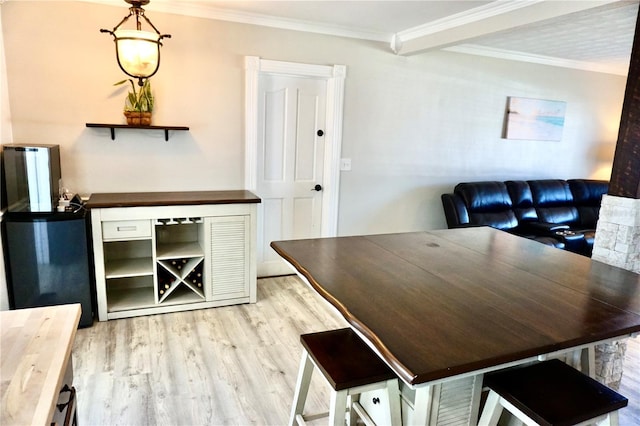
<point>137,51</point>
<point>150,24</point>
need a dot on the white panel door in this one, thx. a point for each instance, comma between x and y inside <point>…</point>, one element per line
<point>291,120</point>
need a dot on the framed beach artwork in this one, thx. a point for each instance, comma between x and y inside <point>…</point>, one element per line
<point>534,119</point>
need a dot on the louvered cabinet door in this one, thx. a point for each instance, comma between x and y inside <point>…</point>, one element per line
<point>229,254</point>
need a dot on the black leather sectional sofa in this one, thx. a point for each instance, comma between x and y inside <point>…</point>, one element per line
<point>560,213</point>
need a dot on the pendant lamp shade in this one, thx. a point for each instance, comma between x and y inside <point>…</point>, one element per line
<point>137,51</point>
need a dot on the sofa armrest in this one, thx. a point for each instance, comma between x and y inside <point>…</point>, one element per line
<point>455,211</point>
<point>543,228</point>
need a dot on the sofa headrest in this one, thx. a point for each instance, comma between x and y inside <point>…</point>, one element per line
<point>520,193</point>
<point>550,192</point>
<point>522,199</point>
<point>588,192</point>
<point>490,196</point>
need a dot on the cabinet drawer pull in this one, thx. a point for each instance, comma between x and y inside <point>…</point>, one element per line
<point>116,230</point>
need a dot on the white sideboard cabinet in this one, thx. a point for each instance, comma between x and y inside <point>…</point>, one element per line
<point>167,252</point>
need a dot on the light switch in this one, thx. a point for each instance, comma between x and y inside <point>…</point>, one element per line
<point>345,164</point>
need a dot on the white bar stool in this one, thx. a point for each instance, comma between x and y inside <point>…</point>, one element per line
<point>350,367</point>
<point>550,393</point>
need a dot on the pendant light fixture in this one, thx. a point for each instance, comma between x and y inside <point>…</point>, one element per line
<point>137,51</point>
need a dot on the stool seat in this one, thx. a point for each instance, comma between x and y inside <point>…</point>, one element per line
<point>350,367</point>
<point>344,359</point>
<point>553,393</point>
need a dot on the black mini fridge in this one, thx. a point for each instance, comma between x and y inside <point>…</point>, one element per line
<point>47,252</point>
<point>47,259</point>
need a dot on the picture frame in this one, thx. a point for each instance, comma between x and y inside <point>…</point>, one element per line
<point>534,119</point>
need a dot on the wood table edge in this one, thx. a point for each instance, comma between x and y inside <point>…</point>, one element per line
<point>400,369</point>
<point>44,409</point>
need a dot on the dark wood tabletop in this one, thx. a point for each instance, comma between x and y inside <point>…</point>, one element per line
<point>441,303</point>
<point>178,198</point>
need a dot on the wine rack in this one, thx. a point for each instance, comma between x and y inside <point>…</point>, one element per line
<point>180,259</point>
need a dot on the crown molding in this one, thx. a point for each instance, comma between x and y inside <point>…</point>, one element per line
<point>473,49</point>
<point>482,20</point>
<point>201,9</point>
<point>206,10</point>
<point>479,13</point>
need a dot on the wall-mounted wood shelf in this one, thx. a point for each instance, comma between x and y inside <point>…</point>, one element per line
<point>113,128</point>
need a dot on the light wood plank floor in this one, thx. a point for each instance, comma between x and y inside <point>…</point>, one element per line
<point>234,365</point>
<point>630,384</point>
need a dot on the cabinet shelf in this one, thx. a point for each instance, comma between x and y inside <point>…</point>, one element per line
<point>127,299</point>
<point>123,268</point>
<point>113,128</point>
<point>179,250</point>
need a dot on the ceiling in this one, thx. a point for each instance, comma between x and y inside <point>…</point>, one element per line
<point>583,34</point>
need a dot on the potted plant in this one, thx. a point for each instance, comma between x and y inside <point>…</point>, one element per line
<point>138,104</point>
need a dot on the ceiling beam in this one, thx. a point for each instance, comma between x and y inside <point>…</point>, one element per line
<point>496,16</point>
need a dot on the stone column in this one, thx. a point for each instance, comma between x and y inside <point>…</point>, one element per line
<point>617,243</point>
<point>618,232</point>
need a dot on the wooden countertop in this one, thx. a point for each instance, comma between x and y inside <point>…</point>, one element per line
<point>141,199</point>
<point>35,351</point>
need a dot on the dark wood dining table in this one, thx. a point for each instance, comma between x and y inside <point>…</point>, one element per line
<point>443,307</point>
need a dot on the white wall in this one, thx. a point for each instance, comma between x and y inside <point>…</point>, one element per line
<point>5,137</point>
<point>413,126</point>
<point>420,125</point>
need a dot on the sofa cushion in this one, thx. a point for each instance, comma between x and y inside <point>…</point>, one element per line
<point>587,196</point>
<point>481,197</point>
<point>553,201</point>
<point>567,215</point>
<point>500,220</point>
<point>488,203</point>
<point>588,192</point>
<point>522,200</point>
<point>550,192</point>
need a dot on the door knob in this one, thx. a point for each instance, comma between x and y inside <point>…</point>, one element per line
<point>317,188</point>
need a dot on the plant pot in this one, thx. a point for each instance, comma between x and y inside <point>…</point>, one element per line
<point>135,118</point>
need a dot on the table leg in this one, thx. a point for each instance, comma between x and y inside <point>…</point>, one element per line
<point>422,406</point>
<point>457,400</point>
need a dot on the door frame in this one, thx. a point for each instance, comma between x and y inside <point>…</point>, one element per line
<point>334,76</point>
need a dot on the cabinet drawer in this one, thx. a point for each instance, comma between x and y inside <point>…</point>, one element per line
<point>126,229</point>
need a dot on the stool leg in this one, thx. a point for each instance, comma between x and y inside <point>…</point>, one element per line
<point>589,361</point>
<point>353,416</point>
<point>338,408</point>
<point>613,418</point>
<point>492,410</point>
<point>583,360</point>
<point>575,359</point>
<point>302,387</point>
<point>393,395</point>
